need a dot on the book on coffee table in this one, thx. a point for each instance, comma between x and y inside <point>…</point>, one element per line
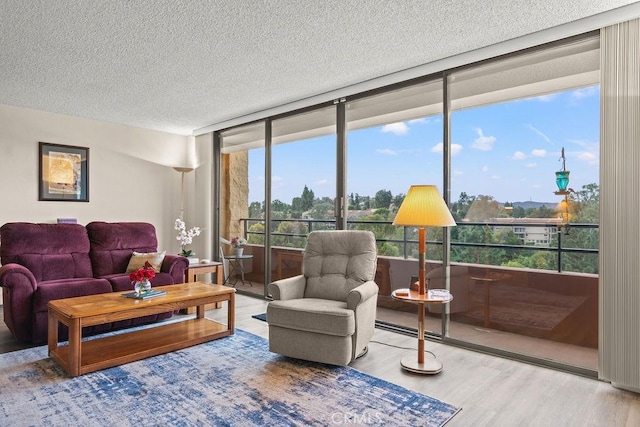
<point>150,294</point>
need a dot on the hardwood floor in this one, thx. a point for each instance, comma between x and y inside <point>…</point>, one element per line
<point>492,391</point>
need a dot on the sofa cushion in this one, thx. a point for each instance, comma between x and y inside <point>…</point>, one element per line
<point>139,259</point>
<point>67,288</point>
<point>122,283</point>
<point>112,244</point>
<point>312,315</point>
<point>49,251</point>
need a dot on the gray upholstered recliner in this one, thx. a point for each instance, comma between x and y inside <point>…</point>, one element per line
<point>328,313</point>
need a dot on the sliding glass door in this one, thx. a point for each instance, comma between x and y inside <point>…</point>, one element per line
<point>242,206</point>
<point>303,184</point>
<point>521,262</point>
<point>525,253</point>
<point>394,140</point>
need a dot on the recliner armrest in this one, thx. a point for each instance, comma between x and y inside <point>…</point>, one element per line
<point>15,275</point>
<point>289,288</point>
<point>20,286</point>
<point>175,265</point>
<point>362,294</point>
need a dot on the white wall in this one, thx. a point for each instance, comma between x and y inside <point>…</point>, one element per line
<point>130,172</point>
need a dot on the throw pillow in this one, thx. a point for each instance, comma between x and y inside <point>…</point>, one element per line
<point>138,259</point>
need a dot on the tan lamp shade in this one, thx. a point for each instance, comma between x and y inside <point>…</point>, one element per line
<point>423,206</point>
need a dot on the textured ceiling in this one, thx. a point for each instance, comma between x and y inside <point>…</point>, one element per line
<point>177,66</point>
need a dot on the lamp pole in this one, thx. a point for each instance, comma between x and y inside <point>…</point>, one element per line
<point>182,171</point>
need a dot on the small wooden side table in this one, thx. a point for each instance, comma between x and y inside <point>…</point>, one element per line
<point>420,365</point>
<point>192,271</point>
<point>203,268</point>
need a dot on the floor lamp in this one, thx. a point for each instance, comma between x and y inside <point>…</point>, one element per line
<point>423,206</point>
<point>182,172</point>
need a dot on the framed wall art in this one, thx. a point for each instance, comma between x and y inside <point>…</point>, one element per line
<point>64,173</point>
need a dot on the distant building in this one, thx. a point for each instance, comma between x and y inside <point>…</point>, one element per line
<point>532,231</point>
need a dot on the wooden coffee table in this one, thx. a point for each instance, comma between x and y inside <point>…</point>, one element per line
<point>79,357</point>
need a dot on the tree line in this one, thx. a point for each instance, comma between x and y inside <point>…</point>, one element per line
<point>379,211</point>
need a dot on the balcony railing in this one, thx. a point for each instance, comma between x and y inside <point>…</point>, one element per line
<point>534,302</point>
<point>408,242</point>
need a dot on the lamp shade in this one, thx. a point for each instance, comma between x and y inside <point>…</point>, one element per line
<point>423,206</point>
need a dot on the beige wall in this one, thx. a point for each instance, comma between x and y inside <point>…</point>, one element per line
<point>130,170</point>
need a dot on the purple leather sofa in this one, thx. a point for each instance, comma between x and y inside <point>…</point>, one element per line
<point>43,262</point>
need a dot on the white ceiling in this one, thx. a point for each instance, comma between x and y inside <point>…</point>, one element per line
<point>178,66</point>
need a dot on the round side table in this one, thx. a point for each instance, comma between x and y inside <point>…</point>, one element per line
<point>420,365</point>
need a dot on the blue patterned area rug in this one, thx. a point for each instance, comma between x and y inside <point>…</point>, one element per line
<point>233,381</point>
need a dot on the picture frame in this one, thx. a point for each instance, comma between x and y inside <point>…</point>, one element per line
<point>64,173</point>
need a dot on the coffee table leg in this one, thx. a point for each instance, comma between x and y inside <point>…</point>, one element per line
<point>231,313</point>
<point>75,347</point>
<point>52,334</point>
<point>200,311</point>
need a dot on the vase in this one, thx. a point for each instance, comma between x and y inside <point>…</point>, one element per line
<point>239,252</point>
<point>142,287</point>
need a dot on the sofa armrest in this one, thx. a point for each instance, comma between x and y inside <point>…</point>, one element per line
<point>289,288</point>
<point>362,294</point>
<point>175,265</point>
<point>18,286</point>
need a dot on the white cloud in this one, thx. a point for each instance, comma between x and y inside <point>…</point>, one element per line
<point>539,153</point>
<point>455,148</point>
<point>276,178</point>
<point>519,155</point>
<point>422,120</point>
<point>483,143</point>
<point>539,132</point>
<point>387,152</point>
<point>322,182</point>
<point>588,157</point>
<point>485,168</point>
<point>545,98</point>
<point>496,177</point>
<point>531,165</point>
<point>397,128</point>
<point>458,172</point>
<point>584,93</point>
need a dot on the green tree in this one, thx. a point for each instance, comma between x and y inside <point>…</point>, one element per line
<point>296,207</point>
<point>542,212</point>
<point>290,234</point>
<point>307,199</point>
<point>322,208</point>
<point>383,199</point>
<point>460,208</point>
<point>255,210</point>
<point>398,199</point>
<point>518,212</point>
<point>278,206</point>
<point>388,249</point>
<point>257,239</point>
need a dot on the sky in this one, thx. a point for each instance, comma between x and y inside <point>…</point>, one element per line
<point>510,151</point>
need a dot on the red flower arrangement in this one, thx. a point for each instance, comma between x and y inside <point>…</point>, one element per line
<point>142,273</point>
